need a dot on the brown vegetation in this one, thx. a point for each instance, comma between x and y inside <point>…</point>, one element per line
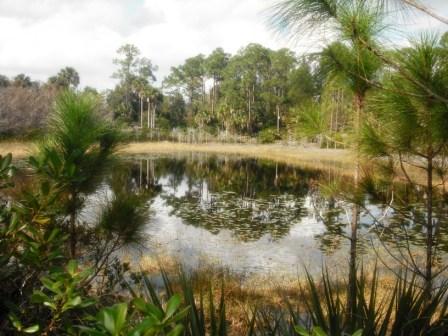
<point>24,110</point>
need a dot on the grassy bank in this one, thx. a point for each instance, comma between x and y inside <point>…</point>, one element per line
<point>295,155</point>
<point>339,160</point>
<point>276,152</point>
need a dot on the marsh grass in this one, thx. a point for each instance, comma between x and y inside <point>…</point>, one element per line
<point>256,305</point>
<point>337,160</point>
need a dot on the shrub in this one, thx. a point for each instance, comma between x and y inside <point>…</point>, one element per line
<point>268,135</point>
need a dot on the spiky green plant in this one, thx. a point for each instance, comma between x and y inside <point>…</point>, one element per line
<point>76,152</point>
<point>402,309</point>
<point>204,318</point>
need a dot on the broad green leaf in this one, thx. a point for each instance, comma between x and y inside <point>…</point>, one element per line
<point>154,311</point>
<point>317,331</point>
<point>39,297</point>
<point>181,315</point>
<point>172,305</point>
<point>145,327</point>
<point>140,304</point>
<point>107,319</point>
<point>53,286</point>
<point>72,266</point>
<point>177,331</point>
<point>301,331</point>
<point>114,318</point>
<point>121,312</point>
<point>50,305</point>
<point>90,331</point>
<point>72,303</point>
<point>31,330</point>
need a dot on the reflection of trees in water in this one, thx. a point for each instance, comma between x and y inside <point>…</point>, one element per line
<point>404,228</point>
<point>138,178</point>
<point>249,197</point>
<point>392,217</point>
<point>134,180</point>
<point>248,219</point>
<point>329,213</point>
<point>252,198</point>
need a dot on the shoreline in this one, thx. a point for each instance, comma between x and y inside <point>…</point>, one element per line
<point>306,157</point>
<point>339,159</point>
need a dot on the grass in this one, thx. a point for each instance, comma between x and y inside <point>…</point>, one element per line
<point>387,305</point>
<point>337,160</point>
<point>312,157</point>
<point>19,149</point>
<point>293,155</point>
<point>265,293</point>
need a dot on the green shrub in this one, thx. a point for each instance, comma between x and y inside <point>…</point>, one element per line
<point>268,135</point>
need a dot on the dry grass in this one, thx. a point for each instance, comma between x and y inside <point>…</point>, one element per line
<point>244,292</point>
<point>311,157</point>
<point>19,150</point>
<point>295,155</point>
<point>337,160</point>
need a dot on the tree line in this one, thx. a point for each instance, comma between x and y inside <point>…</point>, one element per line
<point>242,93</point>
<point>253,90</point>
<point>26,103</point>
<point>261,92</point>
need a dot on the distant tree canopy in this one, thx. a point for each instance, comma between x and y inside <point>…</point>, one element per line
<point>243,93</point>
<point>66,78</point>
<point>22,80</point>
<point>25,103</point>
<point>135,75</point>
<point>256,89</point>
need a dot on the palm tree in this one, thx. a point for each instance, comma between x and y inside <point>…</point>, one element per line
<point>353,24</point>
<point>75,153</point>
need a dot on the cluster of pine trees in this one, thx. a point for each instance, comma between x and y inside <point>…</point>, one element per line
<point>243,93</point>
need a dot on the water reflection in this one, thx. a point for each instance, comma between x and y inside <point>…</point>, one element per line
<point>254,215</point>
<point>249,198</point>
<point>246,214</point>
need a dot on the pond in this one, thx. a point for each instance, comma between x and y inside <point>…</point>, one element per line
<point>250,216</point>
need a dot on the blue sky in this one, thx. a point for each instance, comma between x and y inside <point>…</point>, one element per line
<point>41,36</point>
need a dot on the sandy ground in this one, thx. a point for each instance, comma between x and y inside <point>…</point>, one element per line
<point>19,150</point>
<point>298,155</point>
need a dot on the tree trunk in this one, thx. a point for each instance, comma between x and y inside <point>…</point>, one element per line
<point>149,112</point>
<point>278,118</point>
<point>336,128</point>
<point>153,116</point>
<point>141,112</point>
<point>249,113</point>
<point>429,230</point>
<point>213,96</point>
<point>352,286</point>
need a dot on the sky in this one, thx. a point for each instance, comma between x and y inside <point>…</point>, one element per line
<point>39,37</point>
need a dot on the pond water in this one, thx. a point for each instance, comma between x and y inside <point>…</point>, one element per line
<point>247,215</point>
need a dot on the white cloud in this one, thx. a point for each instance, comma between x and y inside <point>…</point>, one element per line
<point>39,37</point>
